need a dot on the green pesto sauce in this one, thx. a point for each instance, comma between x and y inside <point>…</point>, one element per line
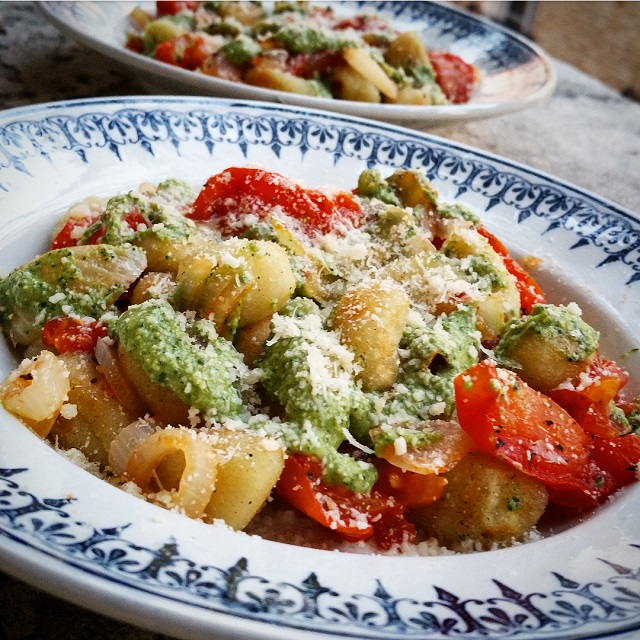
<point>415,439</point>
<point>186,356</point>
<point>317,395</point>
<point>287,375</point>
<point>301,39</point>
<point>633,419</point>
<point>482,270</point>
<point>173,191</point>
<point>372,185</point>
<point>459,211</point>
<point>338,468</point>
<point>558,326</point>
<point>422,392</point>
<point>56,285</point>
<point>241,50</point>
<point>117,231</point>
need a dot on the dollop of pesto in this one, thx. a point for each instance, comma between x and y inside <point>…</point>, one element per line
<point>458,211</point>
<point>557,326</point>
<point>434,355</point>
<point>372,185</point>
<point>241,50</point>
<point>81,281</point>
<point>184,355</point>
<point>114,218</point>
<point>415,439</point>
<point>308,371</point>
<point>301,39</point>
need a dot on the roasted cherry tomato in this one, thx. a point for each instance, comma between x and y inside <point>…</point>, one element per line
<point>173,7</point>
<point>529,290</point>
<point>187,51</point>
<point>618,456</point>
<point>308,65</point>
<point>588,399</point>
<point>415,490</point>
<point>455,76</point>
<point>72,231</point>
<point>353,516</point>
<point>73,334</point>
<point>238,191</point>
<point>507,418</point>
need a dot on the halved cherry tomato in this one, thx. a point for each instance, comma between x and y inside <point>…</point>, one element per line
<point>307,65</point>
<point>529,290</point>
<point>414,490</point>
<point>71,232</point>
<point>73,334</point>
<point>239,191</point>
<point>455,76</point>
<point>187,51</point>
<point>134,220</point>
<point>507,418</point>
<point>353,516</point>
<point>619,456</point>
<point>590,397</point>
<point>173,7</point>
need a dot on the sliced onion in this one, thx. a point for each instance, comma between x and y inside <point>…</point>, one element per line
<point>120,386</point>
<point>198,478</point>
<point>36,391</point>
<point>438,457</point>
<point>124,444</point>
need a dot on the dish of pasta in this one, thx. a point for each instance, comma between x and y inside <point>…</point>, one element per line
<point>373,357</point>
<point>302,48</point>
<point>409,62</point>
<point>267,370</point>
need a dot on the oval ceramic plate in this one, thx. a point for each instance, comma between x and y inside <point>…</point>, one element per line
<point>68,532</point>
<point>515,72</point>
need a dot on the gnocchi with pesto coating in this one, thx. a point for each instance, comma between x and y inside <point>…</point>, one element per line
<point>371,359</point>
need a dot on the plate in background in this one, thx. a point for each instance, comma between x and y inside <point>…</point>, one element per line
<point>68,532</point>
<point>516,73</point>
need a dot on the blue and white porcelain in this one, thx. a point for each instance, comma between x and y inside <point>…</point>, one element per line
<point>78,537</point>
<point>516,73</point>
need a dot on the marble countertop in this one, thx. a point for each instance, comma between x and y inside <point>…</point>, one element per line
<point>586,134</point>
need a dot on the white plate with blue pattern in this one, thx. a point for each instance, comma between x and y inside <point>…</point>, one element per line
<point>516,73</point>
<point>78,537</point>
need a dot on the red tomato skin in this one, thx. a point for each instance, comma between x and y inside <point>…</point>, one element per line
<point>186,51</point>
<point>72,334</point>
<point>70,233</point>
<point>589,398</point>
<point>173,7</point>
<point>412,489</point>
<point>301,486</point>
<point>378,515</point>
<point>584,492</point>
<point>619,456</point>
<point>508,419</point>
<point>530,291</point>
<point>307,65</point>
<point>166,52</point>
<point>243,190</point>
<point>195,53</point>
<point>455,76</point>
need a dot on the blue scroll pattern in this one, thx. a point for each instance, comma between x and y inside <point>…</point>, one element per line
<point>570,606</point>
<point>615,234</point>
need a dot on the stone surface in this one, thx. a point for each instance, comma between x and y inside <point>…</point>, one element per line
<point>586,134</point>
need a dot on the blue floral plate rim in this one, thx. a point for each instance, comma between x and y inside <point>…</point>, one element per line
<point>150,568</point>
<point>516,72</point>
